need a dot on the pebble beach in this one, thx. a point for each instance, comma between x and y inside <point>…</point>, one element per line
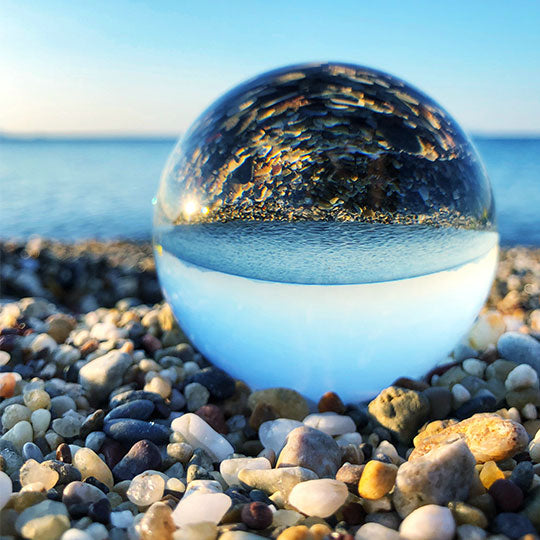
<point>114,426</point>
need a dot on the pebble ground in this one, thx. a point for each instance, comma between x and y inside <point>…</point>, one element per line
<point>114,426</point>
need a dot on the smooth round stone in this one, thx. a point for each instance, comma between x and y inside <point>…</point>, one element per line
<point>13,414</point>
<point>37,399</point>
<point>32,472</point>
<point>19,435</point>
<point>229,468</point>
<point>523,475</point>
<point>522,376</point>
<point>81,493</point>
<point>138,409</point>
<point>47,520</point>
<point>273,433</point>
<point>32,451</point>
<point>208,531</point>
<point>201,507</point>
<point>376,531</point>
<point>40,421</point>
<point>146,488</point>
<point>203,486</point>
<point>90,464</point>
<point>520,348</point>
<point>220,384</point>
<point>142,456</point>
<point>320,498</point>
<point>470,532</point>
<point>62,404</point>
<point>512,525</point>
<point>130,431</point>
<point>272,480</point>
<point>157,522</point>
<point>479,404</point>
<point>377,479</point>
<point>196,395</point>
<point>330,423</point>
<point>122,519</point>
<point>76,534</point>
<point>6,489</point>
<point>430,522</point>
<point>200,435</point>
<point>507,495</point>
<point>68,426</point>
<point>95,440</point>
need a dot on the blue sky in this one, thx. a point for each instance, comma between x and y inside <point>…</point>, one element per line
<point>118,67</point>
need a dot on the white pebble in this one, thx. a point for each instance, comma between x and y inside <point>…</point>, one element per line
<point>320,498</point>
<point>330,423</point>
<point>460,394</point>
<point>200,435</point>
<point>273,433</point>
<point>349,438</point>
<point>146,488</point>
<point>6,489</point>
<point>76,534</point>
<point>376,531</point>
<point>474,367</point>
<point>43,341</point>
<point>122,519</point>
<point>529,411</point>
<point>97,531</point>
<point>204,531</point>
<point>513,414</point>
<point>534,450</point>
<point>430,522</point>
<point>19,434</point>
<point>522,376</point>
<point>230,468</point>
<point>200,507</point>
<point>106,331</point>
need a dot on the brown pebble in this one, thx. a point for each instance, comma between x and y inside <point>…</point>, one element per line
<point>60,326</point>
<point>214,417</point>
<point>157,523</point>
<point>331,402</point>
<point>261,413</point>
<point>410,384</point>
<point>63,453</point>
<point>353,513</point>
<point>88,347</point>
<point>257,515</point>
<point>112,451</point>
<point>350,474</point>
<point>488,436</point>
<point>150,343</point>
<point>507,495</point>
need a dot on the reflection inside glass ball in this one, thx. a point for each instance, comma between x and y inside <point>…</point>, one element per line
<point>325,227</point>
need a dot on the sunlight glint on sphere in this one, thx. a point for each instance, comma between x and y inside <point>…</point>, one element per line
<point>325,227</point>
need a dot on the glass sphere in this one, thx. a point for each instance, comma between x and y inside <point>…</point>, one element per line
<point>325,227</point>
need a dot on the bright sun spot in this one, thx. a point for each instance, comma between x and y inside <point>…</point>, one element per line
<point>190,207</point>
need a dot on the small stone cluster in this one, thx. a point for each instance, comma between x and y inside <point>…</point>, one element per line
<point>113,426</point>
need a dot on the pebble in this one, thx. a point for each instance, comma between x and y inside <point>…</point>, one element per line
<point>377,479</point>
<point>507,496</point>
<point>486,330</point>
<point>208,531</point>
<point>200,435</point>
<point>257,515</point>
<point>401,411</point>
<point>32,451</point>
<point>330,423</point>
<point>60,326</point>
<point>157,523</point>
<point>286,402</point>
<point>311,449</point>
<point>122,519</point>
<point>62,404</point>
<point>40,419</point>
<point>488,436</point>
<point>376,531</point>
<point>33,471</point>
<point>13,414</point>
<point>474,367</point>
<point>522,376</point>
<point>90,464</point>
<point>445,474</point>
<point>37,399</point>
<point>6,488</point>
<point>47,520</point>
<point>460,394</point>
<point>146,488</point>
<point>68,426</point>
<point>103,374</point>
<point>523,475</point>
<point>276,480</point>
<point>229,468</point>
<point>440,402</point>
<point>514,526</point>
<point>201,507</point>
<point>95,440</point>
<point>430,522</point>
<point>129,431</point>
<point>479,404</point>
<point>320,498</point>
<point>19,435</point>
<point>470,532</point>
<point>220,384</point>
<point>520,348</point>
<point>143,455</point>
<point>76,534</point>
<point>138,409</point>
<point>78,492</point>
<point>490,473</point>
<point>273,433</point>
<point>196,396</point>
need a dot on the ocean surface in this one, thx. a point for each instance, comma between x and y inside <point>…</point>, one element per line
<point>78,189</point>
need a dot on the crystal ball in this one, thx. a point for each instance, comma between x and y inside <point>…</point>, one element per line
<point>325,227</point>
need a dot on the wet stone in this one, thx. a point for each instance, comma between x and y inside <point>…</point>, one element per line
<point>130,431</point>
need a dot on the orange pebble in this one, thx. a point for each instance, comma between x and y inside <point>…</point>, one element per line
<point>490,473</point>
<point>7,385</point>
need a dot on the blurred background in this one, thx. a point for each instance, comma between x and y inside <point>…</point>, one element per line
<point>94,95</point>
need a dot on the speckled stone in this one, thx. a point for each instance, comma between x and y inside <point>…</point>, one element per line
<point>286,402</point>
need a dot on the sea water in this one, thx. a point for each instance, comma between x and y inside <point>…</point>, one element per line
<point>346,307</point>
